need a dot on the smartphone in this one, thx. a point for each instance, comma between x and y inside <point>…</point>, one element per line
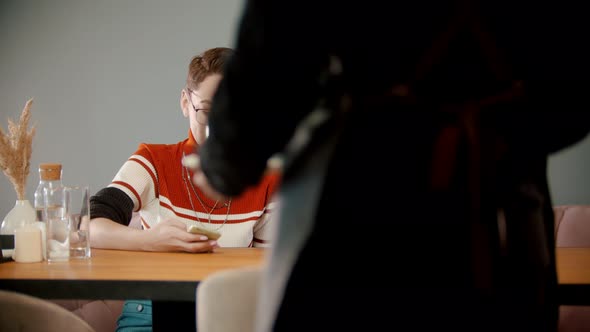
<point>212,235</point>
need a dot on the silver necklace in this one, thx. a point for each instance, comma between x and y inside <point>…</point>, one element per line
<point>201,201</point>
<point>184,178</point>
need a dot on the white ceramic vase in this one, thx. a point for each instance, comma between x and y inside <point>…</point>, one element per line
<point>22,213</point>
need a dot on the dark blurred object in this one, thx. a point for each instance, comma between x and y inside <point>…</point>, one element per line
<point>6,242</point>
<point>442,121</point>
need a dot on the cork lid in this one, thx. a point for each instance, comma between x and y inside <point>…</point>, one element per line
<point>50,171</point>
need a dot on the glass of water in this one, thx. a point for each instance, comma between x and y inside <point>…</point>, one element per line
<point>58,226</point>
<point>77,210</point>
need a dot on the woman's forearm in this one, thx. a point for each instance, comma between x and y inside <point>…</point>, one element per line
<point>107,234</point>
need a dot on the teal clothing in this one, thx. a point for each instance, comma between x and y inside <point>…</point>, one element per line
<point>135,317</point>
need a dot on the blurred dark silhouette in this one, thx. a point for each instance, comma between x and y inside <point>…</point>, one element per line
<point>420,200</point>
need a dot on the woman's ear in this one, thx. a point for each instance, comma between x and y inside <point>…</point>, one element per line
<point>184,103</point>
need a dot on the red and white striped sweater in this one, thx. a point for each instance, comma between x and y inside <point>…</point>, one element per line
<point>153,178</point>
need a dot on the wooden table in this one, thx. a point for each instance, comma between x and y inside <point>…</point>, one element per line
<point>573,269</point>
<point>115,274</point>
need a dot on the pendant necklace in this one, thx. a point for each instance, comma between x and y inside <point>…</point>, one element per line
<point>186,179</point>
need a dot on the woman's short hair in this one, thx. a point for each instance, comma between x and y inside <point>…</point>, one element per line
<point>207,63</point>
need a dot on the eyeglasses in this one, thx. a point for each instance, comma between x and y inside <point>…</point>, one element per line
<point>205,110</point>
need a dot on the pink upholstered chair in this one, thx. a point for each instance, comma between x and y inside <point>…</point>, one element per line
<point>572,229</point>
<point>572,225</point>
<point>24,313</point>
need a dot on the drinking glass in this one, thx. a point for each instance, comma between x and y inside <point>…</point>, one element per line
<point>77,209</point>
<point>58,227</point>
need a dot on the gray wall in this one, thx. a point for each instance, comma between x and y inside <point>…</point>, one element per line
<point>569,174</point>
<point>105,75</point>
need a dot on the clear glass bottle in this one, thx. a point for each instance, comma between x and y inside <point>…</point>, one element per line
<point>49,182</point>
<point>49,177</point>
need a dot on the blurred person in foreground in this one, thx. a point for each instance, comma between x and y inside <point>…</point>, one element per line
<point>415,137</point>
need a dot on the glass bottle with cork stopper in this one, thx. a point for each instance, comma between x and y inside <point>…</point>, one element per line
<point>49,181</point>
<point>49,177</point>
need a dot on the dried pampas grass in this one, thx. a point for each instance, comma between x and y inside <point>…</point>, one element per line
<point>16,147</point>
